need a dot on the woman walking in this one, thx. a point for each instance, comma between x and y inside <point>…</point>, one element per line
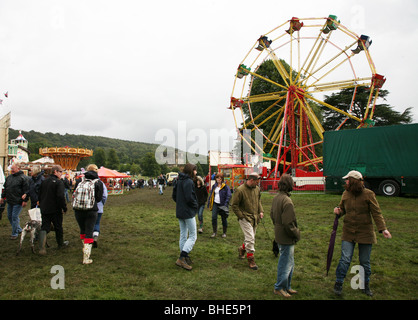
<point>86,214</point>
<point>286,235</point>
<point>218,203</point>
<point>359,205</point>
<point>186,208</point>
<point>202,197</point>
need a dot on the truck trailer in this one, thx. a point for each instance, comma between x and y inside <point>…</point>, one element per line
<point>387,157</point>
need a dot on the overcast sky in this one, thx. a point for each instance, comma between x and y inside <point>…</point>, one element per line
<point>128,69</point>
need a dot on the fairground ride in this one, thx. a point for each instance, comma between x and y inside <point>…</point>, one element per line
<point>311,57</point>
<point>68,158</point>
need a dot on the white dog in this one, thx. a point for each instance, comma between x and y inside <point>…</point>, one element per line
<point>33,227</point>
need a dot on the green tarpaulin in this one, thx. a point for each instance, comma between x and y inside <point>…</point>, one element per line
<point>375,152</point>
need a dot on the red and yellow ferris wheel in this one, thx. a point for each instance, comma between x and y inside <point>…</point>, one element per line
<point>280,85</point>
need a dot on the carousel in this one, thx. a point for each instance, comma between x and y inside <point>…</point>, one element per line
<point>68,158</point>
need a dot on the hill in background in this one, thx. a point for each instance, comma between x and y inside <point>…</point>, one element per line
<point>127,151</point>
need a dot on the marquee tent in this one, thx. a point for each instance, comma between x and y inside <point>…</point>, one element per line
<point>108,173</point>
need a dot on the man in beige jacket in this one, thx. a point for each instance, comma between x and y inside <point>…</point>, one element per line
<point>246,204</point>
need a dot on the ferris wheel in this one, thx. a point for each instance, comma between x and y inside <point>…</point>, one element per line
<point>281,86</point>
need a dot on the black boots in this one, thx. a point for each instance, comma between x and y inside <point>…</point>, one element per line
<point>367,290</point>
<point>338,288</point>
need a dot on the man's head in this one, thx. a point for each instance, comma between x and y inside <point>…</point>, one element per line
<point>57,171</point>
<point>252,180</point>
<point>14,168</point>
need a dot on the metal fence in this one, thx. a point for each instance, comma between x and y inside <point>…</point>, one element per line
<point>305,185</point>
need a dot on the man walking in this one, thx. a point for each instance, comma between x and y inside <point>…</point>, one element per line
<point>246,204</point>
<point>161,183</point>
<point>53,205</point>
<point>16,194</point>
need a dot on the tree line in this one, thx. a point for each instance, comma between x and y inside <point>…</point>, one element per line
<point>122,155</point>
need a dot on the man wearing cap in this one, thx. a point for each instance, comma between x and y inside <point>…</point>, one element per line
<point>246,204</point>
<point>359,206</point>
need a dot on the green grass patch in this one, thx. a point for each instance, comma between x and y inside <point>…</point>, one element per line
<point>138,248</point>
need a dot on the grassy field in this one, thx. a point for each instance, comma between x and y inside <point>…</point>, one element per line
<point>138,248</point>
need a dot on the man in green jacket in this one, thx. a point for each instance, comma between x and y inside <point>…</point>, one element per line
<point>246,204</point>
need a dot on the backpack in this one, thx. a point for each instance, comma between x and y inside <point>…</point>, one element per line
<point>83,196</point>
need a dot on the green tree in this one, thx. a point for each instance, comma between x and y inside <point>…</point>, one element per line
<point>260,86</point>
<point>149,165</point>
<point>112,160</point>
<point>99,157</point>
<point>135,169</point>
<point>383,115</point>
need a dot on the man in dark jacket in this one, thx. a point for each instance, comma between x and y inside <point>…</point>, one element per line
<point>53,205</point>
<point>16,194</point>
<point>186,208</point>
<point>35,185</point>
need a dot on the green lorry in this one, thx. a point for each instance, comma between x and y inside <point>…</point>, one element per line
<point>386,156</point>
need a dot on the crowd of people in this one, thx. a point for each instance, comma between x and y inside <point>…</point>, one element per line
<point>51,196</point>
<point>358,205</point>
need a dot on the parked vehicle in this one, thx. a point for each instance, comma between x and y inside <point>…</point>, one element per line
<point>170,177</point>
<point>387,157</point>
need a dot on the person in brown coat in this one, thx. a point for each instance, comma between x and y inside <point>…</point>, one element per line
<point>246,204</point>
<point>286,234</point>
<point>359,206</point>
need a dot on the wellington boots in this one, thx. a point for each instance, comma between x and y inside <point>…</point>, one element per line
<point>241,253</point>
<point>42,242</point>
<point>86,253</point>
<point>251,262</point>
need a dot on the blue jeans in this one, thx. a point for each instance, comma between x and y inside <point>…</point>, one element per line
<point>200,213</point>
<point>97,225</point>
<point>347,249</point>
<point>215,212</point>
<point>285,267</point>
<point>13,212</point>
<point>187,227</point>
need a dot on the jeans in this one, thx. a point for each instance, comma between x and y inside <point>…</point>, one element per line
<point>160,187</point>
<point>97,225</point>
<point>200,213</point>
<point>215,212</point>
<point>347,249</point>
<point>13,212</point>
<point>187,227</point>
<point>285,267</point>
